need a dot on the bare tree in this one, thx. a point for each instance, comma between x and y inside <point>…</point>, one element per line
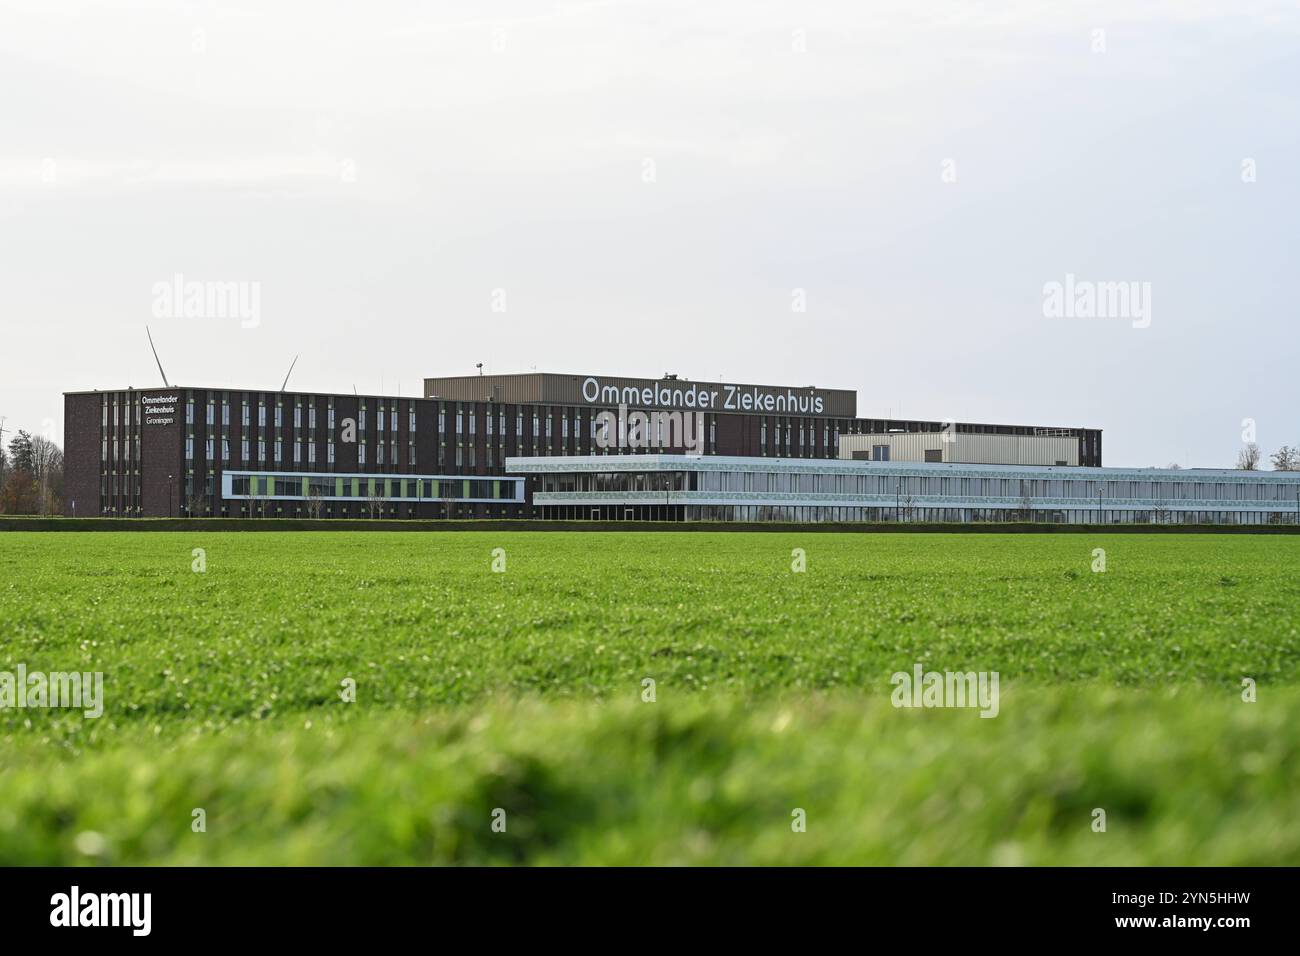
<point>47,471</point>
<point>909,506</point>
<point>47,458</point>
<point>1248,458</point>
<point>1160,512</point>
<point>315,503</point>
<point>1286,458</point>
<point>1026,501</point>
<point>196,504</point>
<point>375,505</point>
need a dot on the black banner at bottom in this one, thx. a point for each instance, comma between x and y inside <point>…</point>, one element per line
<point>333,906</point>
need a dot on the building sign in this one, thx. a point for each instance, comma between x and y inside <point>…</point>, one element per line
<point>671,393</point>
<point>159,409</point>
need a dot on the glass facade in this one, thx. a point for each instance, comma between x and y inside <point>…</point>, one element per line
<point>367,487</point>
<point>736,489</point>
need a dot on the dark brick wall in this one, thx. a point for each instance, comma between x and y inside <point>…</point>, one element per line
<point>81,422</point>
<point>162,447</point>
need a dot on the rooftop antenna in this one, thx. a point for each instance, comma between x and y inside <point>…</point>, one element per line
<point>288,373</point>
<point>155,357</point>
<point>479,366</point>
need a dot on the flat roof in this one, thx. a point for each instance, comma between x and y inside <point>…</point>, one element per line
<point>475,393</point>
<point>554,388</point>
<point>586,463</point>
<point>238,388</point>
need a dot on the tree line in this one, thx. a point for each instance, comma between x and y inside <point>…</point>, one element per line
<point>1286,458</point>
<point>31,475</point>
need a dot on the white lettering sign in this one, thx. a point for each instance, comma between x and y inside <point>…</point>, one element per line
<point>724,398</point>
<point>156,406</point>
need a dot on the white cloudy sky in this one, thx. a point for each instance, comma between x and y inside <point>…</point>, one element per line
<point>380,168</point>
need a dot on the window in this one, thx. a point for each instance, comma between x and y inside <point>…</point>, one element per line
<point>880,453</point>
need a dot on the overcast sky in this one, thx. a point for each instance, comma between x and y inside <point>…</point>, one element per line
<point>658,187</point>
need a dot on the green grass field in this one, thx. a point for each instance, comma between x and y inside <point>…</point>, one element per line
<point>523,691</point>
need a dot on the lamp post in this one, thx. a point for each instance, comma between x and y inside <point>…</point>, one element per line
<point>169,496</point>
<point>898,500</point>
